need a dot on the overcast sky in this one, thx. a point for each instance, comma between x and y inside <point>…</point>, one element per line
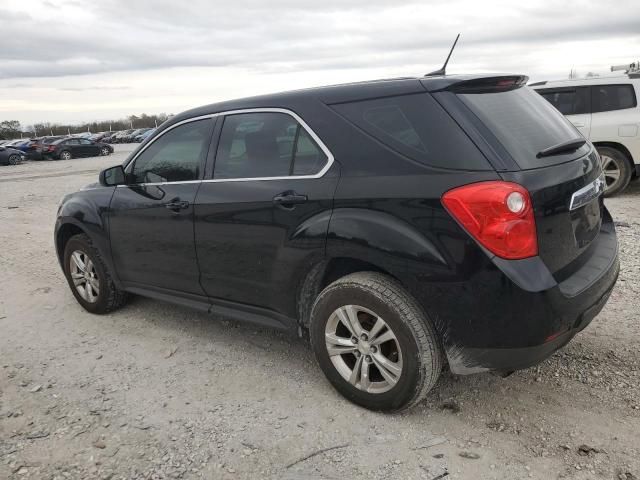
<point>76,60</point>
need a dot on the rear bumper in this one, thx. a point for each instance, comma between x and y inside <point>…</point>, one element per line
<point>510,359</point>
<point>506,320</point>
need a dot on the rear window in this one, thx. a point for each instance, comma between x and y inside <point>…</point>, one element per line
<point>417,127</point>
<point>525,124</point>
<point>606,98</point>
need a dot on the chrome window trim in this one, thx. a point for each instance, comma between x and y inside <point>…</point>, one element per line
<point>316,138</point>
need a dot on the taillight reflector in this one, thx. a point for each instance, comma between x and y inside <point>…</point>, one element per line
<point>499,215</point>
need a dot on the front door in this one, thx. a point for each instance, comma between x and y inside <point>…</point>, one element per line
<point>151,218</point>
<point>262,220</point>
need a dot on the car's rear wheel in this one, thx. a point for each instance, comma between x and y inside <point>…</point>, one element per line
<point>616,168</point>
<point>104,151</point>
<point>65,155</point>
<point>374,343</point>
<point>14,159</point>
<point>89,278</point>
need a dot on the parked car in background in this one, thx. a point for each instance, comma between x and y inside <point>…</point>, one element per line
<point>99,137</point>
<point>108,138</point>
<point>401,223</point>
<point>10,156</point>
<point>21,144</point>
<point>605,110</point>
<point>71,147</point>
<point>128,138</point>
<point>118,137</point>
<point>40,144</point>
<point>142,136</point>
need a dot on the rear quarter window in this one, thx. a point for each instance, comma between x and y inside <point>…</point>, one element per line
<point>607,98</point>
<point>417,127</point>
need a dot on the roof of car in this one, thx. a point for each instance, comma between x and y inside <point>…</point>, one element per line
<point>331,94</point>
<point>574,82</point>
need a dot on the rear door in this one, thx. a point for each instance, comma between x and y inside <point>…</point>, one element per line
<point>261,218</point>
<point>565,187</point>
<point>151,218</point>
<point>574,103</point>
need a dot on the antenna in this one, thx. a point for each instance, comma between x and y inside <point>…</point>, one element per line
<point>443,71</point>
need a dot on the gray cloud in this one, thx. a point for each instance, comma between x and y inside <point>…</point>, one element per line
<point>291,35</point>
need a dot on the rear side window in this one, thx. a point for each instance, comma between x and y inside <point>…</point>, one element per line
<point>525,124</point>
<point>568,101</point>
<point>417,127</point>
<point>263,145</point>
<point>606,98</point>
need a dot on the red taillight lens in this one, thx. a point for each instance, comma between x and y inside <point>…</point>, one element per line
<point>499,215</point>
<point>51,148</point>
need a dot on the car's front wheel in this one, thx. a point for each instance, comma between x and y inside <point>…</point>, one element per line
<point>89,278</point>
<point>374,343</point>
<point>104,151</point>
<point>14,159</point>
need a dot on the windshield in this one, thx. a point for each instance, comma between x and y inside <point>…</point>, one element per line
<point>525,124</point>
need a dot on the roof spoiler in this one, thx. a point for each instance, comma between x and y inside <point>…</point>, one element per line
<point>485,84</point>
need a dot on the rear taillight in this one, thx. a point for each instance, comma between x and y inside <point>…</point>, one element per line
<point>499,215</point>
<point>51,148</point>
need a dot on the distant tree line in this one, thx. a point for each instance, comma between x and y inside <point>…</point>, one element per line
<point>12,128</point>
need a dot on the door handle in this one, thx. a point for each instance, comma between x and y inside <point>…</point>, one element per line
<point>177,205</point>
<point>289,199</point>
<point>578,124</point>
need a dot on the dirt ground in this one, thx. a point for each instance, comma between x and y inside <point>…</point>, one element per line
<point>155,391</point>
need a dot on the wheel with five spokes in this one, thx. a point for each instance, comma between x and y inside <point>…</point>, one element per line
<point>374,342</point>
<point>616,169</point>
<point>89,278</point>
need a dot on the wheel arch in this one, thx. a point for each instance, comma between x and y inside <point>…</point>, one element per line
<point>326,272</point>
<point>622,149</point>
<point>64,232</point>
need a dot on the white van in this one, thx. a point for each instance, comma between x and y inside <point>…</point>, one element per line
<point>605,110</point>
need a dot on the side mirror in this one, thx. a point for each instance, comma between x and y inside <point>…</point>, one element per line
<point>110,177</point>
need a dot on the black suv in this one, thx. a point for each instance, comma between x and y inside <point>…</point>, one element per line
<point>402,223</point>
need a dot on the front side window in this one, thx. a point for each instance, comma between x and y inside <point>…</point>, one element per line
<point>606,98</point>
<point>265,144</point>
<point>176,156</point>
<point>84,141</point>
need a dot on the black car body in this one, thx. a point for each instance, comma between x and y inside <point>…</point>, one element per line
<point>292,192</point>
<point>74,147</point>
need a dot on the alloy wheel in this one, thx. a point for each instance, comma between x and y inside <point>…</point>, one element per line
<point>84,276</point>
<point>65,155</point>
<point>363,349</point>
<point>104,151</point>
<point>611,171</point>
<point>14,159</point>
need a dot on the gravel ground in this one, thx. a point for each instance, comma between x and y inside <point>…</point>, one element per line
<point>156,391</point>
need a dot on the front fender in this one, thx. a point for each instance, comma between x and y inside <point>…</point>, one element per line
<point>86,211</point>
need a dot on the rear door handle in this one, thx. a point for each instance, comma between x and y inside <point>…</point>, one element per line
<point>177,205</point>
<point>578,124</point>
<point>289,199</point>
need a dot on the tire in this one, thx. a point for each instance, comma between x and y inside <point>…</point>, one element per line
<point>617,170</point>
<point>104,151</point>
<point>374,296</point>
<point>14,159</point>
<point>106,297</point>
<point>65,155</point>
